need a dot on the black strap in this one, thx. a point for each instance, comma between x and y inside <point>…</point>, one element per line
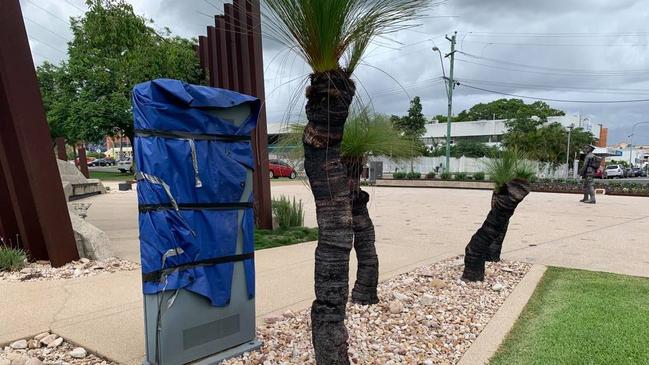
<point>189,135</point>
<point>155,276</point>
<point>194,206</point>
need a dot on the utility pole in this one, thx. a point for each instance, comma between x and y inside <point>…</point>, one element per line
<point>451,85</point>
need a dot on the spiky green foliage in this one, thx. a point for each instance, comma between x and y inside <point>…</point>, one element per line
<point>365,135</point>
<point>289,213</point>
<point>12,259</point>
<point>510,165</point>
<point>324,32</point>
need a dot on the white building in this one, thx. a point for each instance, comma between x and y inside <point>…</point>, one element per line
<point>491,131</point>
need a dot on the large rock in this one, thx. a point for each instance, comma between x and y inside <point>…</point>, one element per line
<point>75,184</point>
<point>92,242</point>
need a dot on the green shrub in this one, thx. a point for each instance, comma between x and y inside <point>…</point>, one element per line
<point>460,176</point>
<point>431,175</point>
<point>445,175</point>
<point>12,259</point>
<point>413,176</point>
<point>399,175</point>
<point>479,176</point>
<point>289,213</point>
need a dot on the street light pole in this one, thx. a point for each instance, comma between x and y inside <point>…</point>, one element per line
<point>631,141</point>
<point>570,127</point>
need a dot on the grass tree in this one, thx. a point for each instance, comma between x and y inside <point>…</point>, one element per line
<point>365,135</point>
<point>332,36</point>
<point>511,174</point>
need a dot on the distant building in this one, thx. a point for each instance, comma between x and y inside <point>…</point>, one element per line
<point>118,148</point>
<point>635,155</point>
<point>492,131</point>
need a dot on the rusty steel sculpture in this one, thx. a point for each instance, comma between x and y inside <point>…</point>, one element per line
<point>231,54</point>
<point>33,211</point>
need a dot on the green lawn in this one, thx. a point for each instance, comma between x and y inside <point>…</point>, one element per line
<point>581,317</point>
<point>111,175</point>
<point>283,237</point>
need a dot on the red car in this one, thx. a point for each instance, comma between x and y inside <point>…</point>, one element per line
<point>277,168</point>
<point>599,174</point>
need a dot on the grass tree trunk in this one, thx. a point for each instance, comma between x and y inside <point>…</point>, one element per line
<point>503,207</point>
<point>328,99</point>
<point>497,245</point>
<point>367,274</point>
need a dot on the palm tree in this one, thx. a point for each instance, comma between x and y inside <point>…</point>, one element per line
<point>365,135</point>
<point>511,174</point>
<point>332,36</point>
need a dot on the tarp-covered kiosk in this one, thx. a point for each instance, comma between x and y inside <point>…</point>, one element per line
<point>194,160</point>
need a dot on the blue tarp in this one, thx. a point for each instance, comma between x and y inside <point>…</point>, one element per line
<point>192,167</point>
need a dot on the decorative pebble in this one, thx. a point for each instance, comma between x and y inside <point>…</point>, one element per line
<point>55,343</point>
<point>20,344</point>
<point>78,353</point>
<point>42,270</point>
<point>497,287</point>
<point>402,331</point>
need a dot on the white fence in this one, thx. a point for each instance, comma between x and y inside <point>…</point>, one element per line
<point>469,165</point>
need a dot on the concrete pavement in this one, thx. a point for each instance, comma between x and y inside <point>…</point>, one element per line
<point>414,227</point>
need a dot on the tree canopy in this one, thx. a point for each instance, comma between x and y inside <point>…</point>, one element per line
<point>113,49</point>
<point>507,109</point>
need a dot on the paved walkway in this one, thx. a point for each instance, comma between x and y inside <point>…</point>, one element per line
<point>414,227</point>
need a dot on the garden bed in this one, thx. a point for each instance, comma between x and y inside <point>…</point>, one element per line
<point>575,187</point>
<point>427,316</point>
<point>46,349</point>
<point>42,270</point>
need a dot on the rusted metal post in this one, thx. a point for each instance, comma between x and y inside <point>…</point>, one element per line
<point>260,134</point>
<point>202,55</point>
<point>231,47</point>
<point>241,24</point>
<point>222,53</point>
<point>8,224</point>
<point>30,173</point>
<point>212,59</point>
<point>83,161</point>
<point>61,154</point>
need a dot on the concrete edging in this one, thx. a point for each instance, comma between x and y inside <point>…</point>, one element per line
<point>446,184</point>
<point>489,340</point>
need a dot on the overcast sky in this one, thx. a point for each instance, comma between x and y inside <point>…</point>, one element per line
<point>579,50</point>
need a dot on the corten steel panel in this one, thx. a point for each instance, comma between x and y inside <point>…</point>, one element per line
<point>60,149</point>
<point>260,135</point>
<point>222,53</point>
<point>212,59</point>
<point>29,165</point>
<point>241,25</point>
<point>202,51</point>
<point>8,225</point>
<point>231,46</point>
<point>83,162</point>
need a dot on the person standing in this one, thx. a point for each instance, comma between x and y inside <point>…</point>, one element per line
<point>587,173</point>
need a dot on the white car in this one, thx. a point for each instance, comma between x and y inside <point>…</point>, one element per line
<point>125,165</point>
<point>614,171</point>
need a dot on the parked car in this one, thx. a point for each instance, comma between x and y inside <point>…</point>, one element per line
<point>277,168</point>
<point>614,171</point>
<point>125,165</point>
<point>88,161</point>
<point>636,172</point>
<point>102,162</point>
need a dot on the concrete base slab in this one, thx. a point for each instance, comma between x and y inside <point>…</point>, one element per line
<point>487,343</point>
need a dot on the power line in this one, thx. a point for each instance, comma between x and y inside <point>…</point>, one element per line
<point>45,28</point>
<point>572,70</point>
<point>529,44</point>
<point>557,100</point>
<point>569,74</point>
<point>76,7</point>
<point>67,22</point>
<point>557,35</point>
<point>546,87</point>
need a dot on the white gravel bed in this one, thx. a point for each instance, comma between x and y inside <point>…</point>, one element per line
<point>42,270</point>
<point>47,349</point>
<point>427,316</point>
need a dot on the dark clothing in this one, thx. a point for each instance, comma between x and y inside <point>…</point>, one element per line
<point>589,189</point>
<point>587,172</point>
<point>587,169</point>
